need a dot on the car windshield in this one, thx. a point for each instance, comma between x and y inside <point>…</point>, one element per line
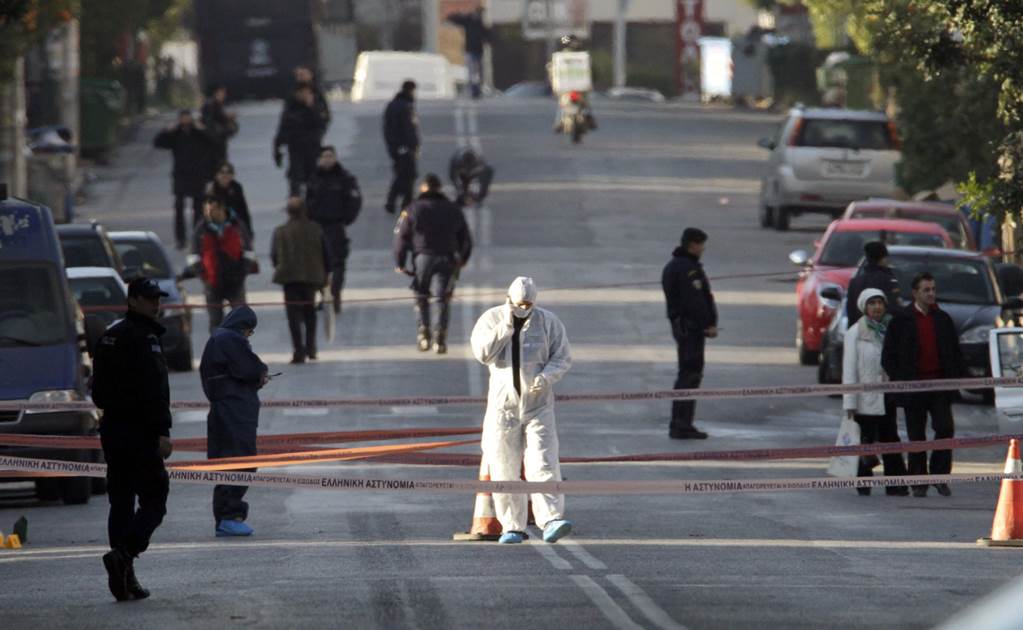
<point>844,249</point>
<point>845,134</point>
<point>32,312</point>
<point>95,293</point>
<point>957,281</point>
<point>145,256</point>
<point>83,251</point>
<point>950,222</point>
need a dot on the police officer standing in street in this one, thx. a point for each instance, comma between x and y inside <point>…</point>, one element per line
<point>334,200</point>
<point>401,135</point>
<point>694,318</point>
<point>435,231</point>
<point>130,385</point>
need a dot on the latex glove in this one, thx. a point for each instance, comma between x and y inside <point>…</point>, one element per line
<point>402,150</point>
<point>166,448</point>
<point>539,384</point>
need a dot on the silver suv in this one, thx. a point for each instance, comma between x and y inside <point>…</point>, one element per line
<point>823,159</point>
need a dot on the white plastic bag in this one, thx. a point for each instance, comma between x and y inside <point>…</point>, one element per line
<point>848,435</point>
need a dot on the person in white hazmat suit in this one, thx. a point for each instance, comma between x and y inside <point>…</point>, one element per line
<point>527,351</point>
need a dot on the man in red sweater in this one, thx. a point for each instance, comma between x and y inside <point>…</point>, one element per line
<point>922,344</point>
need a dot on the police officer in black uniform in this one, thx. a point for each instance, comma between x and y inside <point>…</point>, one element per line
<point>130,386</point>
<point>401,135</point>
<point>334,200</point>
<point>694,318</point>
<point>434,230</point>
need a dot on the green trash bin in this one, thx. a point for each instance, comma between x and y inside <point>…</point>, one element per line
<point>102,104</point>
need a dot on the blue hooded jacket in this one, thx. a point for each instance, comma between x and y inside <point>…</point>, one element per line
<point>229,369</point>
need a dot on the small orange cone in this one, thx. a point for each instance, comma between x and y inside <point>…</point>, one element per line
<point>1007,530</point>
<point>485,525</point>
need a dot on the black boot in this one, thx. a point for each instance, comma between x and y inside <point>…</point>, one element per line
<point>117,562</point>
<point>136,590</point>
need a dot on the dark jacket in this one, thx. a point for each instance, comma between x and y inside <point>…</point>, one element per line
<point>236,203</point>
<point>901,352</point>
<point>219,126</point>
<point>476,32</point>
<point>193,152</point>
<point>322,109</point>
<point>432,225</point>
<point>231,373</point>
<point>465,169</point>
<point>129,379</point>
<point>401,126</point>
<point>299,253</point>
<point>333,196</point>
<point>877,277</point>
<point>301,128</point>
<point>223,253</point>
<point>687,292</point>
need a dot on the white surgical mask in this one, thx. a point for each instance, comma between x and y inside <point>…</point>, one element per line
<point>520,312</point>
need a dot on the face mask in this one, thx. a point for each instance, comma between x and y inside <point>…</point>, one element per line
<point>520,312</point>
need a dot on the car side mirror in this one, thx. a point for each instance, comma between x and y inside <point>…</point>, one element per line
<point>800,257</point>
<point>94,328</point>
<point>766,143</point>
<point>832,293</point>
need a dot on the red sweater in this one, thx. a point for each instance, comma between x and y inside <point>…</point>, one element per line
<point>928,362</point>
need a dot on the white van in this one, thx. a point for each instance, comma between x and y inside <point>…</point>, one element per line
<point>379,75</point>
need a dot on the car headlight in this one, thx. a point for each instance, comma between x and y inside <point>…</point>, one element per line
<point>978,334</point>
<point>53,396</point>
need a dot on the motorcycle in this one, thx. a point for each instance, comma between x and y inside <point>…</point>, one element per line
<point>574,118</point>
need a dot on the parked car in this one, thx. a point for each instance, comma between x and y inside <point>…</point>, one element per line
<point>971,289</point>
<point>99,291</point>
<point>41,354</point>
<point>144,254</point>
<point>825,275</point>
<point>944,214</point>
<point>88,245</point>
<point>823,159</point>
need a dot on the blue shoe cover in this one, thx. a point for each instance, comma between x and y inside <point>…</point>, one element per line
<point>510,538</point>
<point>556,530</point>
<point>233,528</point>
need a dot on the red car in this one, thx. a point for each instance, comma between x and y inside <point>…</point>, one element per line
<point>825,275</point>
<point>944,214</point>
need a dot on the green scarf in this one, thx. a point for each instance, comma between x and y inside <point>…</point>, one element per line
<point>879,328</point>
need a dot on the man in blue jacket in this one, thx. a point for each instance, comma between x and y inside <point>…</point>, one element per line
<point>231,376</point>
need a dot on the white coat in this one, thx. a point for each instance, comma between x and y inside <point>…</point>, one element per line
<point>861,363</point>
<point>519,434</point>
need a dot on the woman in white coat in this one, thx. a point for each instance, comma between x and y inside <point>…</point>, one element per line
<point>861,363</point>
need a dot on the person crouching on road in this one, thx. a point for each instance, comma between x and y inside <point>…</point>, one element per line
<point>222,256</point>
<point>861,363</point>
<point>300,258</point>
<point>434,230</point>
<point>129,383</point>
<point>922,344</point>
<point>231,374</point>
<point>526,349</point>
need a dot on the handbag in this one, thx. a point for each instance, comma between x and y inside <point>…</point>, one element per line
<point>848,435</point>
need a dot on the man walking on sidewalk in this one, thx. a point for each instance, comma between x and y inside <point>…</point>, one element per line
<point>192,150</point>
<point>334,200</point>
<point>922,344</point>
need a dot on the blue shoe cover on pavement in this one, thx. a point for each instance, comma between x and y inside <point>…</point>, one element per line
<point>510,538</point>
<point>233,528</point>
<point>556,530</point>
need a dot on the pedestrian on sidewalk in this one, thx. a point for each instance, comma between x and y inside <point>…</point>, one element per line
<point>401,135</point>
<point>477,33</point>
<point>526,350</point>
<point>334,200</point>
<point>192,150</point>
<point>874,412</point>
<point>225,185</point>
<point>222,257</point>
<point>435,232</point>
<point>875,273</point>
<point>471,176</point>
<point>129,383</point>
<point>220,124</point>
<point>304,75</point>
<point>922,344</point>
<point>300,259</point>
<point>300,128</point>
<point>231,376</point>
<point>694,319</point>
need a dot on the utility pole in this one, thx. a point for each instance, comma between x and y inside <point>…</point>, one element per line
<point>431,24</point>
<point>619,44</point>
<point>13,168</point>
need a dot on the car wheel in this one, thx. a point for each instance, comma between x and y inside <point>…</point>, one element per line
<point>806,357</point>
<point>75,490</point>
<point>766,215</point>
<point>781,219</point>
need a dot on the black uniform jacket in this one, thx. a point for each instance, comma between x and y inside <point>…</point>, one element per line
<point>687,292</point>
<point>432,225</point>
<point>401,127</point>
<point>333,196</point>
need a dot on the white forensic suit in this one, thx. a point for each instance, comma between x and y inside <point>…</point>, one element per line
<point>518,430</point>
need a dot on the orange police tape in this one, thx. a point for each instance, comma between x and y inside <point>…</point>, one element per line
<point>469,486</point>
<point>782,391</point>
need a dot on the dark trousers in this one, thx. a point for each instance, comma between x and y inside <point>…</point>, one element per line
<point>337,249</point>
<point>181,231</point>
<point>233,294</point>
<point>435,275</point>
<point>301,315</point>
<point>939,406</point>
<point>875,429</point>
<point>229,436</point>
<point>690,345</point>
<point>135,473</point>
<point>404,168</point>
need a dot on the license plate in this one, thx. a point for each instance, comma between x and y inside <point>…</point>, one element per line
<point>844,169</point>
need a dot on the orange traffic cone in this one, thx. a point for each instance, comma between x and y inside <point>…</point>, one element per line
<point>1007,530</point>
<point>485,525</point>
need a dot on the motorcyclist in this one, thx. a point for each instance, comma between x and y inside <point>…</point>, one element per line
<point>571,43</point>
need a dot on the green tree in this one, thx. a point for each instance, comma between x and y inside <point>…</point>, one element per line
<point>25,23</point>
<point>104,22</point>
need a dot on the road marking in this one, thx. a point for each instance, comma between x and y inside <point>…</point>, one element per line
<point>188,417</point>
<point>422,410</point>
<point>460,125</point>
<point>309,411</point>
<point>644,603</point>
<point>551,556</point>
<point>583,556</point>
<point>614,613</point>
<point>474,128</point>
